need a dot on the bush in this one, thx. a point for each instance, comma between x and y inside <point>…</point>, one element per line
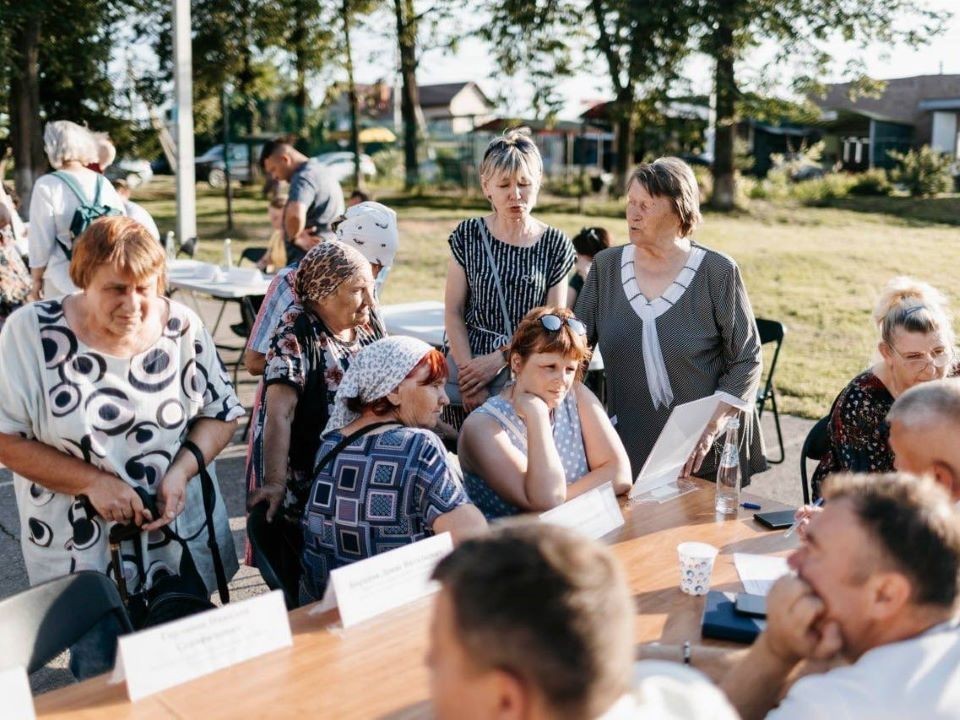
<point>923,172</point>
<point>872,182</point>
<point>819,191</point>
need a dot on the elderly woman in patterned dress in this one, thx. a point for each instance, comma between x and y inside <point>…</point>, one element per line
<point>674,323</point>
<point>311,348</point>
<point>99,392</point>
<point>379,454</point>
<point>544,439</point>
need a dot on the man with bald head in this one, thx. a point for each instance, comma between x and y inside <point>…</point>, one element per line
<point>925,432</point>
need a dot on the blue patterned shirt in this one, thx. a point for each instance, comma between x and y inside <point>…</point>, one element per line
<point>382,491</point>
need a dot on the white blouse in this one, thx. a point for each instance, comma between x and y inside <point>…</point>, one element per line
<point>126,416</point>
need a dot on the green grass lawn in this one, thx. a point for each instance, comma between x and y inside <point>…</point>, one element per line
<point>818,270</point>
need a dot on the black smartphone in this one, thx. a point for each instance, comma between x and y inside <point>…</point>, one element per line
<point>776,520</point>
<point>755,605</point>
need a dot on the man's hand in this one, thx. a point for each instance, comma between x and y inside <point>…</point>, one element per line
<point>796,628</point>
<point>306,239</point>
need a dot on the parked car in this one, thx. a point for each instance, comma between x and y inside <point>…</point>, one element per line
<point>341,163</point>
<point>211,166</point>
<point>134,172</point>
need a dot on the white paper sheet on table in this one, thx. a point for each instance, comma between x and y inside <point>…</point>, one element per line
<point>758,573</point>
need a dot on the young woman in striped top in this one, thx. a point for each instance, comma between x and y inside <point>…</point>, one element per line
<point>503,265</point>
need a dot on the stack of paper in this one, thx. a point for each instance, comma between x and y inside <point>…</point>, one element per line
<point>758,573</point>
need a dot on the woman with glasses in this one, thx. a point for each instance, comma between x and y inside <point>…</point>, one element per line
<point>916,345</point>
<point>545,438</point>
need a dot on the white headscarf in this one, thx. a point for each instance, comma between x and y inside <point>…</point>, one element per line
<point>372,229</point>
<point>375,371</point>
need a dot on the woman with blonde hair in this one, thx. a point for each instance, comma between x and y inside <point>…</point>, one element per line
<point>916,345</point>
<point>503,265</point>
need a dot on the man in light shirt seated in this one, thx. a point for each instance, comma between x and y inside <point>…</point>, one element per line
<point>135,211</point>
<point>534,621</point>
<point>925,432</point>
<point>877,586</point>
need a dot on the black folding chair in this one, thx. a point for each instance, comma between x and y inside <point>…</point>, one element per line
<point>771,331</point>
<point>268,546</point>
<point>38,624</point>
<point>253,255</point>
<point>188,247</point>
<point>815,446</point>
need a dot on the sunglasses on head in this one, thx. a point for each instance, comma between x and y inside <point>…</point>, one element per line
<point>553,323</point>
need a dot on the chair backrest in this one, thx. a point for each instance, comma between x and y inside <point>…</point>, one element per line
<point>253,255</point>
<point>771,331</point>
<point>267,548</point>
<point>188,247</point>
<point>815,445</point>
<point>38,624</point>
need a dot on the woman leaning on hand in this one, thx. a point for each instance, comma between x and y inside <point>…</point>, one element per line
<point>502,266</point>
<point>98,393</point>
<point>673,321</point>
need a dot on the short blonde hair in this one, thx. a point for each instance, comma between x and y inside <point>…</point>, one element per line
<point>122,243</point>
<point>510,153</point>
<point>672,178</point>
<point>64,141</point>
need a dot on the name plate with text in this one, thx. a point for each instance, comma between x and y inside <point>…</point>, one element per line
<point>383,582</point>
<point>15,692</point>
<point>594,514</point>
<point>170,654</point>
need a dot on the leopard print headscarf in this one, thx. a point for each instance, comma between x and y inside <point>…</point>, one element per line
<point>325,268</point>
<point>375,372</point>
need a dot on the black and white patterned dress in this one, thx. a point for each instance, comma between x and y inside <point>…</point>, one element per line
<point>709,342</point>
<point>526,274</point>
<point>126,416</point>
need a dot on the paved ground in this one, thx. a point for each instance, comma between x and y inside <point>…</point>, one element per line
<point>781,483</point>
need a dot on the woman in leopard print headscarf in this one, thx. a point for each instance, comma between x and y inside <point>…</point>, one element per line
<point>311,348</point>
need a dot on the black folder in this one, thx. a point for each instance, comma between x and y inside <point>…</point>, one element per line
<point>721,621</point>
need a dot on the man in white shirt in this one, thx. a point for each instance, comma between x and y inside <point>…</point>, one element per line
<point>925,432</point>
<point>535,622</point>
<point>135,211</point>
<point>878,578</point>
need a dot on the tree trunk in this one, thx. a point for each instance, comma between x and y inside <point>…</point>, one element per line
<point>724,178</point>
<point>352,99</point>
<point>624,143</point>
<point>24,99</point>
<point>410,95</point>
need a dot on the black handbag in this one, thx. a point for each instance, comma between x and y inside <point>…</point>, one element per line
<point>170,596</point>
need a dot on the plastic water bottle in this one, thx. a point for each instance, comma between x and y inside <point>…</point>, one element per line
<point>227,254</point>
<point>728,474</point>
<point>170,246</point>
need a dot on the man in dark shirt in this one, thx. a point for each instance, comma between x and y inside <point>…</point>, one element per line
<point>314,201</point>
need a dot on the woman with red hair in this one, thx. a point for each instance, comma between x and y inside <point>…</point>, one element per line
<point>382,478</point>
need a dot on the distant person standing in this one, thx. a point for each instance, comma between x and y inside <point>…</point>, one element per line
<point>135,211</point>
<point>588,242</point>
<point>314,200</point>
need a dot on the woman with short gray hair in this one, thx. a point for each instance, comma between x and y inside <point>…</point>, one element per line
<point>503,265</point>
<point>673,321</point>
<point>54,202</point>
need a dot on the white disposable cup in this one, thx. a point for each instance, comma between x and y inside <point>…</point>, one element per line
<point>696,566</point>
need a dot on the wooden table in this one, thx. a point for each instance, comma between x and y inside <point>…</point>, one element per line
<point>377,669</point>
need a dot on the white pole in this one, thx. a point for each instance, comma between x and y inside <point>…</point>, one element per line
<point>183,121</point>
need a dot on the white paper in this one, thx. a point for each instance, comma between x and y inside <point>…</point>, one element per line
<point>758,573</point>
<point>15,694</point>
<point>386,581</point>
<point>677,440</point>
<point>595,513</point>
<point>161,657</point>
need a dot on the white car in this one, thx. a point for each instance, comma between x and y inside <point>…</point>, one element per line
<point>134,172</point>
<point>341,164</point>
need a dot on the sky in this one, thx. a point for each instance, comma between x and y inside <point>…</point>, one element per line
<point>473,62</point>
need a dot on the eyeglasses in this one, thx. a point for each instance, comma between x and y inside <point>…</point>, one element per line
<point>918,361</point>
<point>553,323</point>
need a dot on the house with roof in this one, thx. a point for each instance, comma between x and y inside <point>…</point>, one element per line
<point>446,109</point>
<point>911,112</point>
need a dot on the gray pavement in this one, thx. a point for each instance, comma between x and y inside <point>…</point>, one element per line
<point>780,483</point>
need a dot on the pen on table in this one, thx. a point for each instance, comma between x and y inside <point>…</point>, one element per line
<point>750,506</point>
<point>796,523</point>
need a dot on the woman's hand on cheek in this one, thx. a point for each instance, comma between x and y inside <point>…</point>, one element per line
<point>529,406</point>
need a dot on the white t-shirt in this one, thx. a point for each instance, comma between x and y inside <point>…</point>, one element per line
<point>915,678</point>
<point>52,205</point>
<point>143,217</point>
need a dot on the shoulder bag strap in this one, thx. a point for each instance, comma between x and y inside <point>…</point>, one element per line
<point>96,196</point>
<point>209,501</point>
<point>322,462</point>
<point>74,188</point>
<point>485,239</point>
